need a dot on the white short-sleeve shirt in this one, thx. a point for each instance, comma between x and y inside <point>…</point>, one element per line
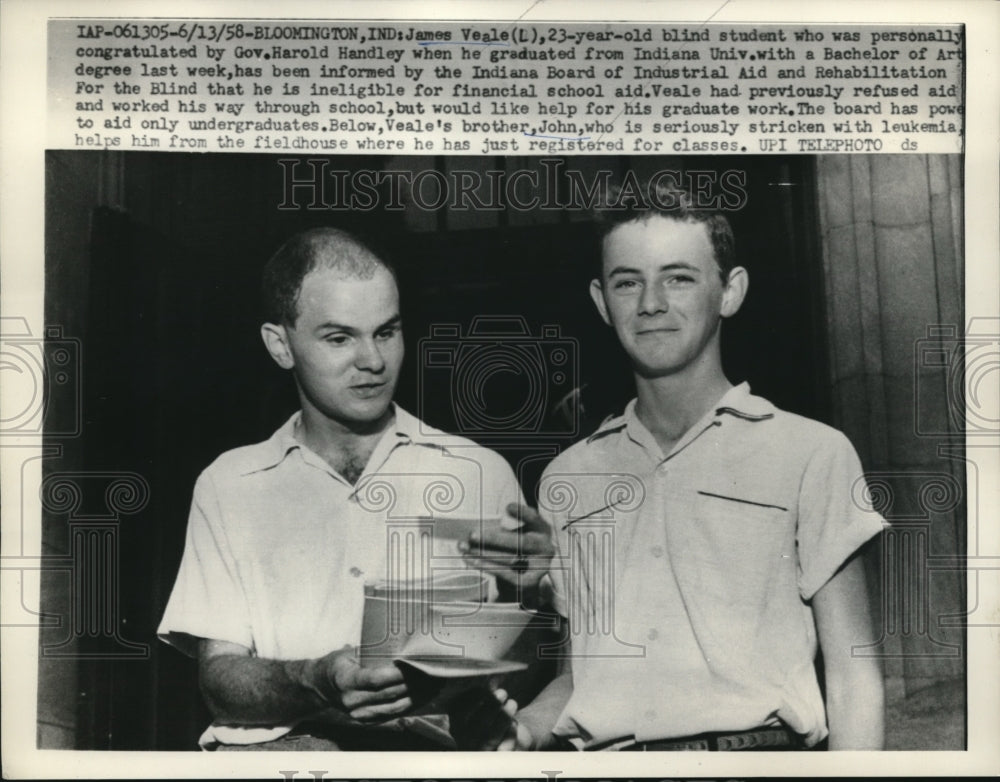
<point>686,577</point>
<point>279,545</point>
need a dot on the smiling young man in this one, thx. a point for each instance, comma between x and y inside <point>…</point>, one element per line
<point>733,559</point>
<point>283,534</point>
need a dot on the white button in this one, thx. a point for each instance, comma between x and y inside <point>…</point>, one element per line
<point>356,571</point>
<point>653,634</point>
<point>650,714</point>
<point>657,551</point>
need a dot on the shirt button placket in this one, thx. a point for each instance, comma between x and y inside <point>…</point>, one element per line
<point>659,506</point>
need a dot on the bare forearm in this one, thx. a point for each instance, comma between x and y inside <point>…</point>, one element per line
<point>855,698</point>
<point>253,691</point>
<point>856,708</point>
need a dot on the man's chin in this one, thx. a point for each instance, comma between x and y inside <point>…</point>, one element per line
<point>653,370</point>
<point>372,411</point>
<point>363,415</point>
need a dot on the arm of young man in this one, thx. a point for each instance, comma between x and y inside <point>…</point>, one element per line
<point>854,689</point>
<point>241,689</point>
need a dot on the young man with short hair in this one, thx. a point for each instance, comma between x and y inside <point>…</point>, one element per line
<point>283,534</point>
<point>697,599</point>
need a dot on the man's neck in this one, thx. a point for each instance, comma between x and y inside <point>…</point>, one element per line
<point>341,443</point>
<point>669,406</point>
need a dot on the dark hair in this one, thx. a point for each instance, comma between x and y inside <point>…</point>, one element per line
<point>330,248</point>
<point>637,201</point>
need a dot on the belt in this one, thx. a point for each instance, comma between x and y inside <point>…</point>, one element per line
<point>764,739</point>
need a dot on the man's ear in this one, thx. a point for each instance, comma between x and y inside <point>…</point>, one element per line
<point>734,291</point>
<point>597,294</point>
<point>276,341</point>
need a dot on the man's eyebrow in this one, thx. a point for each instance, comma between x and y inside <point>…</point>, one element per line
<point>622,270</point>
<point>667,267</point>
<point>330,325</point>
<point>334,326</point>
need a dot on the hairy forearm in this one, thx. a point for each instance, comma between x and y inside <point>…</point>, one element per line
<point>253,691</point>
<point>540,716</point>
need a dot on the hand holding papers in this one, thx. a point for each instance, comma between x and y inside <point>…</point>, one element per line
<point>518,554</point>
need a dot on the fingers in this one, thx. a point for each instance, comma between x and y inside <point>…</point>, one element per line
<point>524,738</point>
<point>377,677</point>
<point>352,699</point>
<point>526,543</point>
<point>371,694</point>
<point>520,557</point>
<point>510,567</point>
<point>508,704</point>
<point>518,738</point>
<point>381,712</point>
<point>520,562</point>
<point>524,578</point>
<point>348,674</point>
<point>532,538</point>
<point>531,520</point>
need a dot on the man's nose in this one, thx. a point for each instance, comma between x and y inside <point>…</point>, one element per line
<point>369,356</point>
<point>653,300</point>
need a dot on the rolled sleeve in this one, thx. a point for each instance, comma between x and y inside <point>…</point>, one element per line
<point>835,514</point>
<point>207,600</point>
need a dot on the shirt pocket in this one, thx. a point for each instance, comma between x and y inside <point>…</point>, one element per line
<point>738,546</point>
